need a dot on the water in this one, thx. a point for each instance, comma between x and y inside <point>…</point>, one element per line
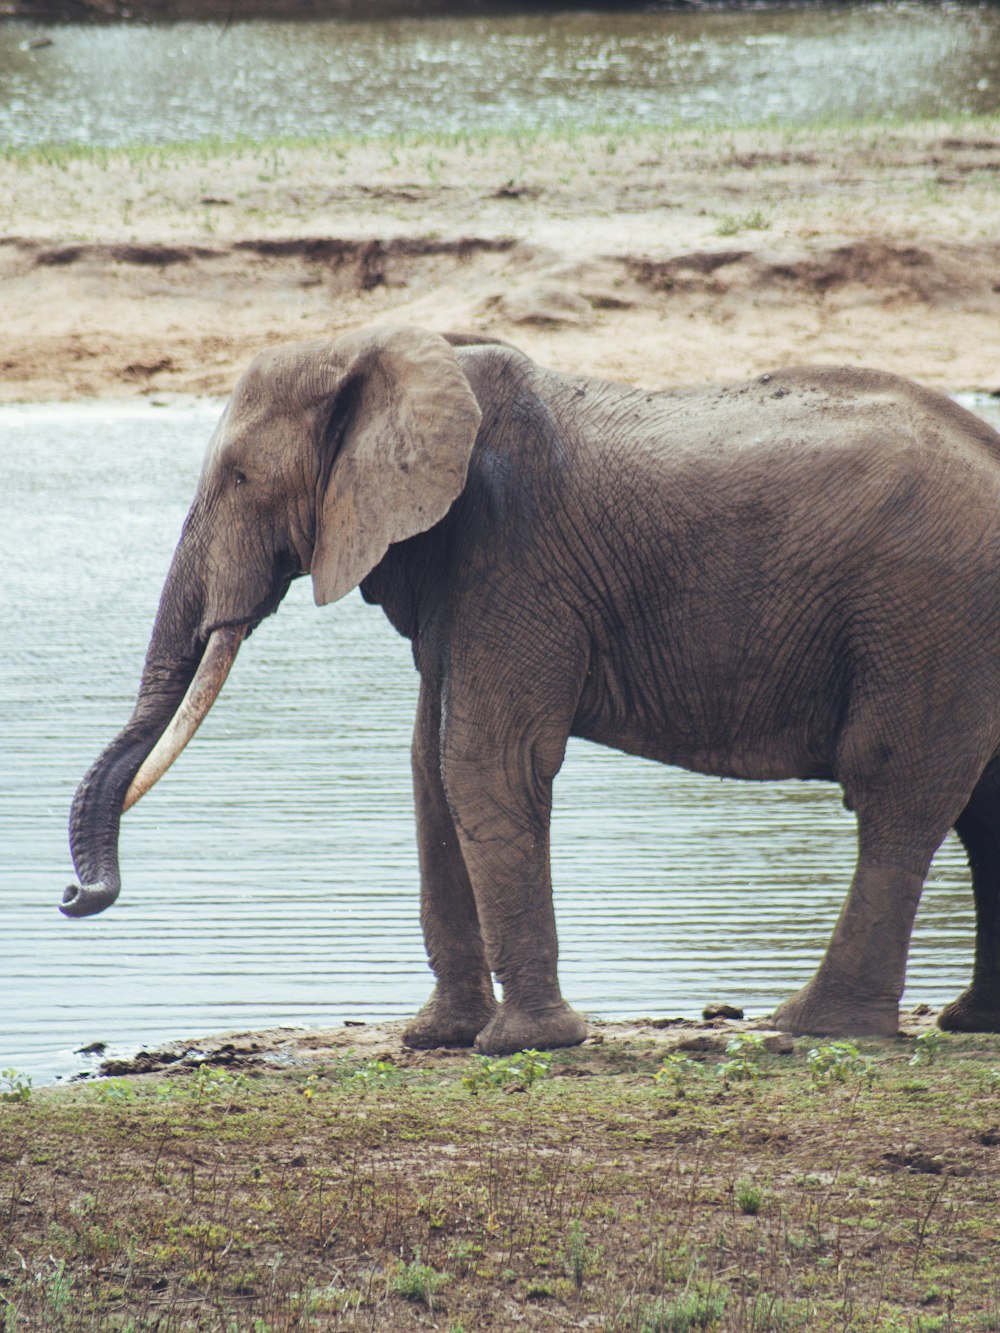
<point>126,83</point>
<point>271,876</point>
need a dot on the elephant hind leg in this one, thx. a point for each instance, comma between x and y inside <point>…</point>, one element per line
<point>903,814</point>
<point>977,1009</point>
<point>857,987</point>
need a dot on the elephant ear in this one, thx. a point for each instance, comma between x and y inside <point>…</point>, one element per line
<point>397,447</point>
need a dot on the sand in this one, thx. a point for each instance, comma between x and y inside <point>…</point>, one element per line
<point>662,259</point>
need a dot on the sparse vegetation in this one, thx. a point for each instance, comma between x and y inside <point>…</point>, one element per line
<point>418,1282</point>
<point>749,1197</point>
<point>927,1047</point>
<point>837,1062</point>
<point>380,1194</point>
<point>490,1073</point>
<point>745,1052</point>
<point>731,224</point>
<point>14,1086</point>
<point>840,205</point>
<point>677,1071</point>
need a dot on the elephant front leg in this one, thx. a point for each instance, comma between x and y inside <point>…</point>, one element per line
<point>502,804</point>
<point>462,1002</point>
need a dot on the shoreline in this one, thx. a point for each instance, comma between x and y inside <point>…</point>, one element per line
<point>173,11</point>
<point>661,258</point>
<point>303,1048</point>
<point>58,12</point>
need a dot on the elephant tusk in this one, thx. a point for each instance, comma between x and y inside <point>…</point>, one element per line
<point>219,655</point>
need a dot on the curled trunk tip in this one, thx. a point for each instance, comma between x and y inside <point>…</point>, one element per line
<point>86,899</point>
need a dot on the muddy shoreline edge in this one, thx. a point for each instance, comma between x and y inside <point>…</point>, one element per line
<point>303,1048</point>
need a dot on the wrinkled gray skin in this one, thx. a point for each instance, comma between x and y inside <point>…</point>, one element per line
<point>795,577</point>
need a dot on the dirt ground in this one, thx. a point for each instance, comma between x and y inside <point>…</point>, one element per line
<point>657,258</point>
<point>654,1179</point>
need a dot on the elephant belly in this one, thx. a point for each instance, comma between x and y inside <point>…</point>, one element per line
<point>780,757</point>
<point>736,729</point>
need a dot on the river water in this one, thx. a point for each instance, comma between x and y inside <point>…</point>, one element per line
<point>128,83</point>
<point>271,877</point>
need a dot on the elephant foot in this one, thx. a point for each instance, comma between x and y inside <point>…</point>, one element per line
<point>973,1011</point>
<point>451,1018</point>
<point>819,1011</point>
<point>512,1029</point>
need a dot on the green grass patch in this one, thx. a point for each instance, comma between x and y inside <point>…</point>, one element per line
<point>608,136</point>
<point>585,1189</point>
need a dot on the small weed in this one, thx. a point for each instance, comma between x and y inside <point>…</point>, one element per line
<point>683,1314</point>
<point>577,1254</point>
<point>743,1066</point>
<point>375,1074</point>
<point>464,1254</point>
<point>16,1086</point>
<point>112,1090</point>
<point>731,224</point>
<point>749,1197</point>
<point>838,1061</point>
<point>418,1282</point>
<point>927,1047</point>
<point>490,1073</point>
<point>209,1082</point>
<point>538,1291</point>
<point>58,1288</point>
<point>677,1070</point>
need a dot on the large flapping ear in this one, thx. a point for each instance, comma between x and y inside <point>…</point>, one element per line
<point>402,426</point>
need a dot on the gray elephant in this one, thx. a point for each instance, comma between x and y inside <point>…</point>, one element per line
<point>794,577</point>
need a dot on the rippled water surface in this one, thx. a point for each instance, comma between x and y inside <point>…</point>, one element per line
<point>122,83</point>
<point>271,876</point>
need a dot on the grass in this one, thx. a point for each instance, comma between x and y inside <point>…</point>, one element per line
<point>731,224</point>
<point>608,136</point>
<point>384,1195</point>
<point>749,182</point>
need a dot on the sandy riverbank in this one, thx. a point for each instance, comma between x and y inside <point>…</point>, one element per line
<point>656,257</point>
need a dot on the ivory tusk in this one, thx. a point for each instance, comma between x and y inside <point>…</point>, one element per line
<point>219,655</point>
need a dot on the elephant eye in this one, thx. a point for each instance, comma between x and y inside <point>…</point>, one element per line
<point>239,478</point>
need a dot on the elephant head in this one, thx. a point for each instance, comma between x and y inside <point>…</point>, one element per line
<point>327,454</point>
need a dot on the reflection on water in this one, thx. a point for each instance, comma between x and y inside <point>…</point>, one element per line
<point>271,876</point>
<point>126,83</point>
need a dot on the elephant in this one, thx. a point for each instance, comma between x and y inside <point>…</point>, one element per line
<point>793,577</point>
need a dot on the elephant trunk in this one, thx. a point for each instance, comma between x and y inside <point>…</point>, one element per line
<point>94,821</point>
<point>164,720</point>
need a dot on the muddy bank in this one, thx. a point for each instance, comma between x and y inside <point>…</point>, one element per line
<point>302,1049</point>
<point>661,259</point>
<point>121,319</point>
